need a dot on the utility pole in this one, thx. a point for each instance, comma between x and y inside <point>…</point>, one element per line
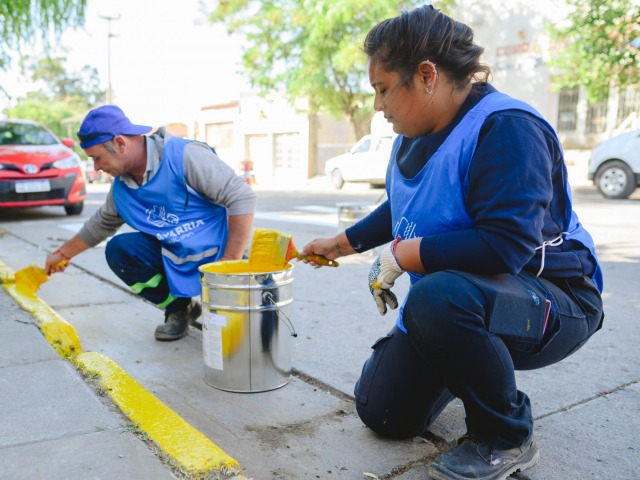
<point>109,37</point>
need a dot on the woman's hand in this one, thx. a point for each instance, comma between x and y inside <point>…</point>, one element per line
<point>382,277</point>
<point>330,248</point>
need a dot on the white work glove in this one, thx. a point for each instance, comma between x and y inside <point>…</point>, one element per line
<point>382,276</point>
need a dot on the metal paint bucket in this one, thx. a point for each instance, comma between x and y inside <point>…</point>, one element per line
<point>350,212</point>
<point>246,331</point>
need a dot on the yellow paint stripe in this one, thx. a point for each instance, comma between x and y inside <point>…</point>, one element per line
<point>176,437</point>
<point>190,448</point>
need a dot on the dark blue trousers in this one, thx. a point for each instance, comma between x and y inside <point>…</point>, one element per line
<point>136,259</point>
<point>466,336</point>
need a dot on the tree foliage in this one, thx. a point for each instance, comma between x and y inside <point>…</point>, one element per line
<point>25,20</point>
<point>310,49</point>
<point>600,46</point>
<point>61,98</point>
<point>80,88</point>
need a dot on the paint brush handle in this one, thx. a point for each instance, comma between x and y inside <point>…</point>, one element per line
<point>319,259</point>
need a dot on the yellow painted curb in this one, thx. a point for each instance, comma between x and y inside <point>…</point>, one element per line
<point>56,330</point>
<point>190,448</point>
<point>173,435</point>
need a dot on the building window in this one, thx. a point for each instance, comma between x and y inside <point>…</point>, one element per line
<point>219,135</point>
<point>628,104</point>
<point>568,110</point>
<point>596,117</point>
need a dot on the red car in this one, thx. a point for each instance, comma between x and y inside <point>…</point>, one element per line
<point>37,168</point>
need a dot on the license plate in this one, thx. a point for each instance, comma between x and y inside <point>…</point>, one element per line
<point>33,186</point>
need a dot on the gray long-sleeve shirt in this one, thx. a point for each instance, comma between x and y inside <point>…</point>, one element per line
<point>203,171</point>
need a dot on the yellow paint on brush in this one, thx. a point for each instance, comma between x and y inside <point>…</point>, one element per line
<point>29,279</point>
<point>269,246</point>
<point>177,438</point>
<point>277,248</point>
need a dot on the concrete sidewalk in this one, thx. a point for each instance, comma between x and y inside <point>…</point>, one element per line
<point>53,424</point>
<point>60,423</point>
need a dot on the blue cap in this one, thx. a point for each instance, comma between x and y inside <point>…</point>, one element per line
<point>104,123</point>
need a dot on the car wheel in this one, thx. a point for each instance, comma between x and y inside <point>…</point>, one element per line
<point>615,180</point>
<point>74,208</point>
<point>336,179</point>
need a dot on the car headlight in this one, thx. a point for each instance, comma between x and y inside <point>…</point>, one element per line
<point>69,162</point>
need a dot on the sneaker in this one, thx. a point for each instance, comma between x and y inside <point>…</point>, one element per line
<point>176,324</point>
<point>475,460</point>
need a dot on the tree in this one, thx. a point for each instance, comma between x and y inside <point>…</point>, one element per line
<point>36,106</point>
<point>600,46</point>
<point>310,49</point>
<point>61,99</point>
<point>80,88</point>
<point>25,20</point>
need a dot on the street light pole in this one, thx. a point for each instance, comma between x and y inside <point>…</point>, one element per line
<point>109,37</point>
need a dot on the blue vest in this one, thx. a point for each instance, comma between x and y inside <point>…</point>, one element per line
<point>191,229</point>
<point>433,202</point>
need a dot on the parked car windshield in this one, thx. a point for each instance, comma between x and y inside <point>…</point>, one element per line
<point>24,134</point>
<point>363,146</point>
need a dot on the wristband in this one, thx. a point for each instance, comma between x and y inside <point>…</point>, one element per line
<point>62,255</point>
<point>393,251</point>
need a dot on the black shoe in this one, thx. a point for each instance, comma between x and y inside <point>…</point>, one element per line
<point>176,324</point>
<point>475,460</point>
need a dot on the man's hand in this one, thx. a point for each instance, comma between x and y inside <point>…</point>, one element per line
<point>382,276</point>
<point>56,262</point>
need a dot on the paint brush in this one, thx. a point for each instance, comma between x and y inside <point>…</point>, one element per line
<point>29,279</point>
<point>273,247</point>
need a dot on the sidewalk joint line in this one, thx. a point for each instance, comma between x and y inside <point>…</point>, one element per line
<point>588,400</point>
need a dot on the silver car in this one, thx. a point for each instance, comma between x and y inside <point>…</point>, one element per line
<point>614,165</point>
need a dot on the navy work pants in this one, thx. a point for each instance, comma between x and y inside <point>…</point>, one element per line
<point>136,259</point>
<point>466,336</point>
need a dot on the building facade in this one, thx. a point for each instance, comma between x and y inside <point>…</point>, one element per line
<point>517,48</point>
<point>277,140</point>
<point>271,138</point>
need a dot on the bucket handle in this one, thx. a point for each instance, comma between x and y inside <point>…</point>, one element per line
<point>268,296</point>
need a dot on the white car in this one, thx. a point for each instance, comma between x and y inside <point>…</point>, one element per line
<point>365,162</point>
<point>614,166</point>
